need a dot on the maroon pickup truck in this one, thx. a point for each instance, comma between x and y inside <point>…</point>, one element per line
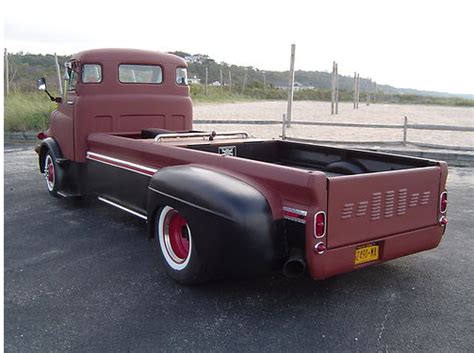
<point>227,204</point>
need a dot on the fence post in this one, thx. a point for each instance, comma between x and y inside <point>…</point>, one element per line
<point>283,128</point>
<point>205,87</point>
<point>355,89</point>
<point>333,86</point>
<point>58,71</point>
<point>405,126</point>
<point>7,74</point>
<point>291,85</point>
<point>337,90</point>
<point>358,91</point>
<point>367,96</point>
<point>222,80</point>
<point>374,96</point>
<point>245,80</point>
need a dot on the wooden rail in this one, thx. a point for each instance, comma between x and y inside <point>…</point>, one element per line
<point>328,123</point>
<point>405,127</point>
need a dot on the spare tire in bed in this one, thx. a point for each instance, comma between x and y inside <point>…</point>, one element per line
<point>346,168</point>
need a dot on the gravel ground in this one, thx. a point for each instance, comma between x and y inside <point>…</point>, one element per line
<point>320,111</point>
<point>81,277</point>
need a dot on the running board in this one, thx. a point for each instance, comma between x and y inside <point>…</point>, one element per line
<point>111,203</point>
<point>67,195</point>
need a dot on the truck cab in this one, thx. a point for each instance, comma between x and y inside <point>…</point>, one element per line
<point>120,90</point>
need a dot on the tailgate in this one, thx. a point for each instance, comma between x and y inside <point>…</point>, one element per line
<point>369,206</point>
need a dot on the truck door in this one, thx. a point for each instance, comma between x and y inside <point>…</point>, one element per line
<point>62,120</point>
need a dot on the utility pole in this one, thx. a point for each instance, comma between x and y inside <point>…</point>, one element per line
<point>58,71</point>
<point>291,85</point>
<point>222,81</point>
<point>205,87</point>
<point>245,81</point>
<point>264,82</point>
<point>230,81</point>
<point>337,90</point>
<point>7,74</point>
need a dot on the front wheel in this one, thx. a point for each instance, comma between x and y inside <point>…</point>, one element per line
<point>178,249</point>
<point>52,174</point>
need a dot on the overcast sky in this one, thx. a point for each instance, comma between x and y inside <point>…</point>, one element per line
<point>411,44</point>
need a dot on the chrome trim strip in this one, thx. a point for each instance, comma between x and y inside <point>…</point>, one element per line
<point>294,210</point>
<point>212,134</point>
<point>441,199</point>
<point>325,225</point>
<point>298,220</point>
<point>96,157</point>
<point>100,198</point>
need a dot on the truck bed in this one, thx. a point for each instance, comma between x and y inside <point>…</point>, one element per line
<point>367,195</point>
<point>332,161</point>
<point>310,157</point>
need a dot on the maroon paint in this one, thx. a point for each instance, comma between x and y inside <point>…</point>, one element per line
<point>362,207</point>
<point>279,184</point>
<point>341,260</point>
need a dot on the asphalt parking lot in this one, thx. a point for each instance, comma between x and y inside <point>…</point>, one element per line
<point>81,276</point>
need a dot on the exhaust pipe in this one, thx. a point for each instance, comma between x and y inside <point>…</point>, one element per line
<point>295,266</point>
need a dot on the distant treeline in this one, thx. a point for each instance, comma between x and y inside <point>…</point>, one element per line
<point>26,68</point>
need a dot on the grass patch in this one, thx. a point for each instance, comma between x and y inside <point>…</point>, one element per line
<point>217,95</point>
<point>27,111</point>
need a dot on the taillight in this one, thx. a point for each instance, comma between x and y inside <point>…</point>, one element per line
<point>320,224</point>
<point>443,202</point>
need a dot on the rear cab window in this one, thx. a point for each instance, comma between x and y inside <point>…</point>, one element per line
<point>132,73</point>
<point>91,73</point>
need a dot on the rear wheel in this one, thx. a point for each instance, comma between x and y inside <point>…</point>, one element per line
<point>178,249</point>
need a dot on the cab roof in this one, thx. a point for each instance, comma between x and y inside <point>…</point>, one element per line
<point>128,55</point>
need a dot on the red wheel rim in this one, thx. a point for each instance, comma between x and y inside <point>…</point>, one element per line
<point>51,172</point>
<point>177,233</point>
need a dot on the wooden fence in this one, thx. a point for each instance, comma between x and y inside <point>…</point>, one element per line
<point>403,127</point>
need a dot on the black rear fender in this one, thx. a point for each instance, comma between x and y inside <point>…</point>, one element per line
<point>230,220</point>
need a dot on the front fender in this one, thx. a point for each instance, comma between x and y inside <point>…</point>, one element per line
<point>48,143</point>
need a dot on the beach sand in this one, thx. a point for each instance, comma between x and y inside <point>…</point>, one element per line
<point>320,111</point>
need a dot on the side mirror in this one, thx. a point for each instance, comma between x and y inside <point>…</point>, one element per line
<point>41,84</point>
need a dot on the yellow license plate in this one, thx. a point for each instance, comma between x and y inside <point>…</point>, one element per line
<point>366,253</point>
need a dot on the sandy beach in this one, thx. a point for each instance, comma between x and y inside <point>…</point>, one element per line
<point>320,111</point>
